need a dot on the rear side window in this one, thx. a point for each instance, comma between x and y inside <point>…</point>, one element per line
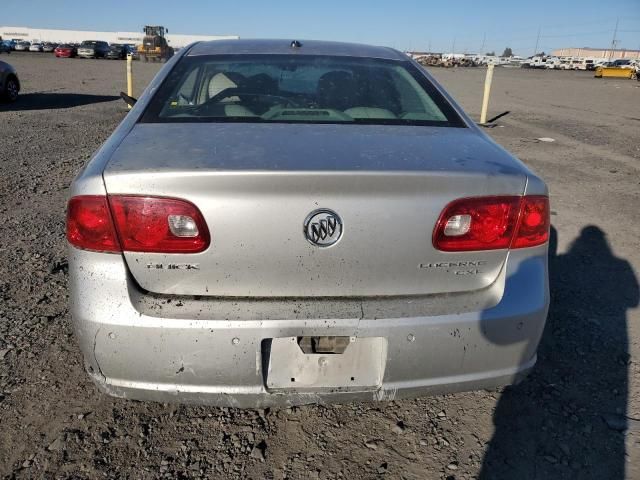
<point>298,89</point>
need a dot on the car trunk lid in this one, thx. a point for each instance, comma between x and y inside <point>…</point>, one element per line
<point>257,184</point>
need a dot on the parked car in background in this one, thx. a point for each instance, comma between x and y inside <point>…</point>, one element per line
<point>578,64</point>
<point>133,51</point>
<point>48,47</point>
<point>7,46</point>
<point>65,51</point>
<point>4,48</point>
<point>117,51</point>
<point>35,47</point>
<point>280,223</point>
<point>93,49</point>
<point>553,63</point>
<point>22,46</point>
<point>514,61</point>
<point>624,63</point>
<point>9,83</point>
<point>535,62</point>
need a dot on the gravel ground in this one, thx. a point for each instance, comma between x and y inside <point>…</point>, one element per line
<point>576,416</point>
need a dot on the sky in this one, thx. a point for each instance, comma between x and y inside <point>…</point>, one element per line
<point>443,26</point>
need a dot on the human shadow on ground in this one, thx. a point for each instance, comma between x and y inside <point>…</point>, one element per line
<point>567,419</point>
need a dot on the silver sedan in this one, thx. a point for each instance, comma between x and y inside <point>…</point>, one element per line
<point>280,223</point>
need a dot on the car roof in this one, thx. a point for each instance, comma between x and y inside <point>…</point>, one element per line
<point>284,47</point>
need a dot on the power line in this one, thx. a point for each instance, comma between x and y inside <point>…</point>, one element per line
<point>540,37</point>
<point>613,42</point>
<point>576,34</point>
<point>535,50</point>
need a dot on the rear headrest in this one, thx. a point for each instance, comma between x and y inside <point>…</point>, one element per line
<point>337,90</point>
<point>222,81</point>
<point>261,83</point>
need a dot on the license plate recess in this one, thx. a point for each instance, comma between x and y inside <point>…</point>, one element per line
<point>359,367</point>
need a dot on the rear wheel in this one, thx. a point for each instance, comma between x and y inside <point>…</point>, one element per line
<point>11,90</point>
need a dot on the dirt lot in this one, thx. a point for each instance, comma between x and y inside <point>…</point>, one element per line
<point>576,416</point>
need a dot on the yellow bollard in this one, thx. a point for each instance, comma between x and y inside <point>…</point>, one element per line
<point>129,76</point>
<point>487,90</point>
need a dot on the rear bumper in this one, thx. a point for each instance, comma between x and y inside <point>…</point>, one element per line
<point>156,354</point>
<point>258,397</point>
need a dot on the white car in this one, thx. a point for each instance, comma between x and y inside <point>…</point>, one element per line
<point>36,47</point>
<point>625,63</point>
<point>22,46</point>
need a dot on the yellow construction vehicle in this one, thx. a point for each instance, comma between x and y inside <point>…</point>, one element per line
<point>154,46</point>
<point>615,72</point>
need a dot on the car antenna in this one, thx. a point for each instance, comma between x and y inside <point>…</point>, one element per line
<point>296,44</point>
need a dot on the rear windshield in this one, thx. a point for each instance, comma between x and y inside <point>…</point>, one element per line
<point>298,89</point>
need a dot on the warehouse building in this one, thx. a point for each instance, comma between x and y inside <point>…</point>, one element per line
<point>597,53</point>
<point>76,36</point>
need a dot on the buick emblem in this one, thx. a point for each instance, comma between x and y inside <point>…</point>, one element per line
<point>323,227</point>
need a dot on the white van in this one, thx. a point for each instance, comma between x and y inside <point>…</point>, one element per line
<point>552,63</point>
<point>535,62</point>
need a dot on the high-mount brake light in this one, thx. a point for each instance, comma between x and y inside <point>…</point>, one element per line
<point>136,224</point>
<point>492,223</point>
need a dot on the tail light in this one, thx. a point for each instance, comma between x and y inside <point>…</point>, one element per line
<point>89,224</point>
<point>136,224</point>
<point>491,223</point>
<point>160,225</point>
<point>533,228</point>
